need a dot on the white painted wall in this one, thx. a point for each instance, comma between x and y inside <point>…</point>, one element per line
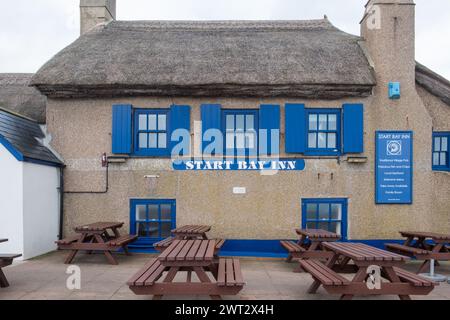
<point>11,202</point>
<point>40,209</point>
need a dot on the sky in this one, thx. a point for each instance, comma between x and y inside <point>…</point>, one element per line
<point>32,31</point>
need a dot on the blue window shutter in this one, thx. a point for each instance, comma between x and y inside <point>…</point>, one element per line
<point>353,128</point>
<point>211,118</point>
<point>269,118</point>
<point>121,129</point>
<point>180,118</point>
<point>295,132</point>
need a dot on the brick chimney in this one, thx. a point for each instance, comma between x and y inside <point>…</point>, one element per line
<point>388,27</point>
<point>94,12</point>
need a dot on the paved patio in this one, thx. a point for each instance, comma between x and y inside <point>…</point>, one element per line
<point>44,278</point>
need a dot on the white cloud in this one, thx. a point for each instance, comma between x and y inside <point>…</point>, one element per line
<point>31,32</point>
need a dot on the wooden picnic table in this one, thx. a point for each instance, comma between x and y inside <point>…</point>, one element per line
<point>366,258</point>
<point>309,244</point>
<point>191,232</point>
<point>5,260</point>
<point>97,237</point>
<point>189,256</point>
<point>417,245</point>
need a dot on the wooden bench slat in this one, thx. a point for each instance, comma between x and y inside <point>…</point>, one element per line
<point>238,272</point>
<point>210,250</point>
<point>230,281</point>
<point>182,255</point>
<point>122,240</point>
<point>322,273</point>
<point>219,243</point>
<point>402,248</point>
<point>174,253</point>
<point>193,251</point>
<point>139,274</point>
<point>165,253</point>
<point>68,240</point>
<point>221,273</point>
<point>201,251</point>
<point>414,279</point>
<point>155,275</point>
<point>163,243</point>
<point>292,247</point>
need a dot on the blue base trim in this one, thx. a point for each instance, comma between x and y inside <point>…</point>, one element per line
<point>261,248</point>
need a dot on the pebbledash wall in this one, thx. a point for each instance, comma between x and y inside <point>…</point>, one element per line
<point>271,208</point>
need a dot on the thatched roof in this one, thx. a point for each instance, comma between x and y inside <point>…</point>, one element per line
<point>17,96</point>
<point>433,83</point>
<point>308,59</point>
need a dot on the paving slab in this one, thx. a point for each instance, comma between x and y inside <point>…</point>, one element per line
<point>45,277</point>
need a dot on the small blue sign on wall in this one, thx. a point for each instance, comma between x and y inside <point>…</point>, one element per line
<point>393,167</point>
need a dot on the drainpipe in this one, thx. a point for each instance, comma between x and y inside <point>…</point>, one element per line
<point>61,202</point>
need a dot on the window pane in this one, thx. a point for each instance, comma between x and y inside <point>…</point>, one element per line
<point>444,144</point>
<point>162,122</point>
<point>240,122</point>
<point>335,227</point>
<point>142,122</point>
<point>322,122</point>
<point>141,229</point>
<point>153,212</point>
<point>153,230</point>
<point>312,140</point>
<point>332,140</point>
<point>162,140</point>
<point>140,212</point>
<point>311,210</point>
<point>152,122</point>
<point>443,159</point>
<point>152,143</point>
<point>249,122</point>
<point>437,144</point>
<point>142,140</point>
<point>311,225</point>
<point>166,227</point>
<point>332,122</point>
<point>250,140</point>
<point>230,122</point>
<point>313,122</point>
<point>166,212</point>
<point>230,140</point>
<point>322,140</point>
<point>240,140</point>
<point>336,213</point>
<point>435,158</point>
<point>324,226</point>
<point>324,211</point>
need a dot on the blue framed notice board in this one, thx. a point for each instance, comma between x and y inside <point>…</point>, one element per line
<point>393,167</point>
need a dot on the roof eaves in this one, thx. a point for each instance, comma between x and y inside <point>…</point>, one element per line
<point>17,154</point>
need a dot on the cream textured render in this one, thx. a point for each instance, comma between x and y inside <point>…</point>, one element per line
<point>81,125</point>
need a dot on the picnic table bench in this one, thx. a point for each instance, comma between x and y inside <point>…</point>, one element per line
<point>399,282</point>
<point>191,232</point>
<point>97,237</point>
<point>6,260</point>
<point>417,245</point>
<point>189,256</point>
<point>164,244</point>
<point>309,244</point>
